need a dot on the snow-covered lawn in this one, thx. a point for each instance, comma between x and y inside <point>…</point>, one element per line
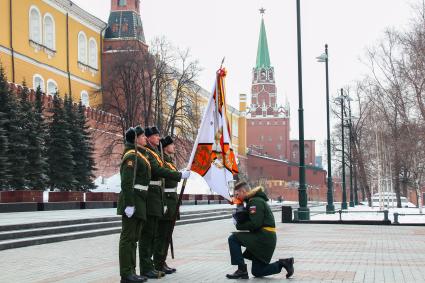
<point>363,212</point>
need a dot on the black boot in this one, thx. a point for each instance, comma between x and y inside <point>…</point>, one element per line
<point>171,268</point>
<point>154,274</point>
<point>132,278</point>
<point>241,273</point>
<point>288,264</point>
<point>166,269</point>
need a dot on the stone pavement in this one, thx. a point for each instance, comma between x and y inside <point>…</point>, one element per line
<point>323,253</point>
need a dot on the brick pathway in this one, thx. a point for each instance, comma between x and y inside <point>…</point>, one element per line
<point>323,253</point>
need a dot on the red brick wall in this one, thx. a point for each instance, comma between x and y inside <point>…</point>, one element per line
<point>261,167</point>
<point>309,152</point>
<point>268,133</point>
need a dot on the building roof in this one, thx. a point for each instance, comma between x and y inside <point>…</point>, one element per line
<point>68,6</point>
<point>125,25</point>
<point>263,57</point>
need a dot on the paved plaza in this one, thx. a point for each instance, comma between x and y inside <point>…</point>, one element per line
<point>323,253</point>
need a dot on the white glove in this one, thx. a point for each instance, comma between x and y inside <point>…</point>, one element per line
<point>185,173</point>
<point>129,211</point>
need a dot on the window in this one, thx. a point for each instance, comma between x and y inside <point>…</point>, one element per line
<point>38,81</point>
<point>235,128</point>
<point>289,171</point>
<point>122,2</point>
<point>35,24</point>
<point>278,146</point>
<point>52,87</point>
<point>261,138</point>
<point>82,47</point>
<point>93,53</point>
<point>270,138</point>
<point>280,138</point>
<point>49,32</point>
<point>85,98</point>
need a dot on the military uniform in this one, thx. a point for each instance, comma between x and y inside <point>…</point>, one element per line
<point>259,239</point>
<point>132,196</point>
<point>166,222</point>
<point>155,206</point>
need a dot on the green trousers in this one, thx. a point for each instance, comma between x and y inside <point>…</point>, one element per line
<point>161,243</point>
<point>146,244</point>
<point>130,234</point>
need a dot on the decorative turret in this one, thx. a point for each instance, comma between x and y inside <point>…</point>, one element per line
<point>124,21</point>
<point>263,91</point>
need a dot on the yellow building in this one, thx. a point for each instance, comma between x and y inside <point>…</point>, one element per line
<point>53,44</point>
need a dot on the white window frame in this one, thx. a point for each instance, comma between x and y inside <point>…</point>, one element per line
<point>80,59</point>
<point>93,64</point>
<point>40,29</point>
<point>84,92</point>
<point>53,46</point>
<point>49,81</point>
<point>42,86</point>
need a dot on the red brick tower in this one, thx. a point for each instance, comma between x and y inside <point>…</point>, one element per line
<point>267,123</point>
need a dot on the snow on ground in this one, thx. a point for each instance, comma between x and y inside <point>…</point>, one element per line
<point>363,212</point>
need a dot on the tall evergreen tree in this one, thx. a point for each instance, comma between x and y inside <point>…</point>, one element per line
<point>33,128</point>
<point>4,161</point>
<point>86,151</point>
<point>59,150</point>
<point>82,149</point>
<point>16,140</point>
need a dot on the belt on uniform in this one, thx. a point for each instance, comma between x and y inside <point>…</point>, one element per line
<point>140,187</point>
<point>269,229</point>
<point>155,183</point>
<point>170,190</point>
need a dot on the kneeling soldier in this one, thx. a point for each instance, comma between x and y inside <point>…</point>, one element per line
<point>135,176</point>
<point>260,240</point>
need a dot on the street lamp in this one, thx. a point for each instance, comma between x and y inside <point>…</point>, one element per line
<point>303,211</point>
<point>344,192</point>
<point>349,99</point>
<point>330,208</point>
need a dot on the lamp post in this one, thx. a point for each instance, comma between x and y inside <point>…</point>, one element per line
<point>330,208</point>
<point>344,192</point>
<point>350,153</point>
<point>303,211</point>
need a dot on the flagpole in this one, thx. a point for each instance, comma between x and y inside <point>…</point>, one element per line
<point>195,145</point>
<point>192,156</point>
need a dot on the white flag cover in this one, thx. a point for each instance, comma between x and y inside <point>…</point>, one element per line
<point>212,155</point>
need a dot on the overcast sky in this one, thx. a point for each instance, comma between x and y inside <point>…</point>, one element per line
<point>230,28</point>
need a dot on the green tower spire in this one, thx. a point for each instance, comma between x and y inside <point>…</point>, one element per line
<point>263,57</point>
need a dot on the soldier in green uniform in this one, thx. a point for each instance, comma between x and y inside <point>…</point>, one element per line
<point>165,224</point>
<point>135,176</point>
<point>259,237</point>
<point>155,204</point>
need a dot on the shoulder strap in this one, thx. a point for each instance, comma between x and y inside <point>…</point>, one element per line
<point>171,165</point>
<point>161,163</point>
<point>139,154</point>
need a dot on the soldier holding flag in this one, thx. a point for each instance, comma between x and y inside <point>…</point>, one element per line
<point>155,203</point>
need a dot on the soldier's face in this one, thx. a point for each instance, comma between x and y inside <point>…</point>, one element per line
<point>240,194</point>
<point>141,140</point>
<point>170,149</point>
<point>154,139</point>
